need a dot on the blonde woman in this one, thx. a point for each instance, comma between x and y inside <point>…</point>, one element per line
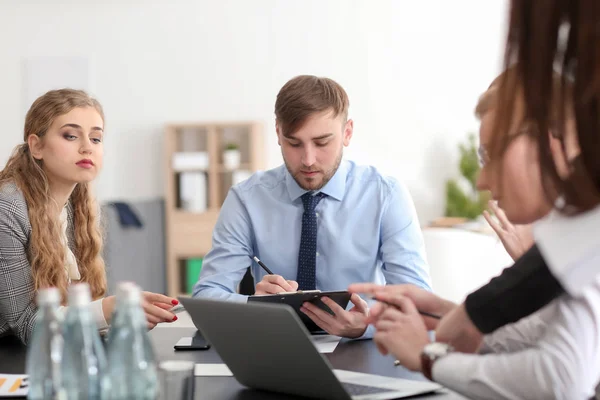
<point>49,229</point>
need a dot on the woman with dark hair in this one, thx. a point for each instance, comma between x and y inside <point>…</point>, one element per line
<point>554,353</point>
<point>543,36</point>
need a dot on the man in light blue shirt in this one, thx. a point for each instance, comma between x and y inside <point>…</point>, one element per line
<point>316,221</point>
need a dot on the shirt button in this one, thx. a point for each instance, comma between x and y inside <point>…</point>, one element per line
<point>317,214</point>
<point>317,254</point>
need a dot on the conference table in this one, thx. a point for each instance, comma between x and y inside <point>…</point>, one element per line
<point>354,355</point>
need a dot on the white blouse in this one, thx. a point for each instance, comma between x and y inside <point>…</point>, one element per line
<point>72,271</point>
<point>578,266</point>
<point>555,352</point>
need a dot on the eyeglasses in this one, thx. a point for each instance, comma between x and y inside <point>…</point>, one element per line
<point>483,156</point>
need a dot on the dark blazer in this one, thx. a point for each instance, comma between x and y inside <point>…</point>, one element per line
<point>518,292</point>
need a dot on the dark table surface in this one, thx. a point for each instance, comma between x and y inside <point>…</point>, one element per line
<point>359,356</point>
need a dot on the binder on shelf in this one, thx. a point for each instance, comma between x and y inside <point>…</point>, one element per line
<point>190,161</point>
<point>197,182</point>
<point>193,266</point>
<point>192,191</point>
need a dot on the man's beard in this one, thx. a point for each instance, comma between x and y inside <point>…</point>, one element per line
<point>327,175</point>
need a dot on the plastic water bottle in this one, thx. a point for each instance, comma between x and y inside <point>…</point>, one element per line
<point>45,349</point>
<point>84,360</point>
<point>132,369</point>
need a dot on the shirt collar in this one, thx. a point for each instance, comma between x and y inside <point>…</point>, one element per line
<point>335,188</point>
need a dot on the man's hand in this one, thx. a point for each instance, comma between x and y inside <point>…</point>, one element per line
<point>456,328</point>
<point>423,299</point>
<point>273,284</point>
<point>401,330</point>
<point>351,324</point>
<point>516,239</point>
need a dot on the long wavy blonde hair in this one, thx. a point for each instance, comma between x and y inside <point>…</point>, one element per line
<point>46,252</point>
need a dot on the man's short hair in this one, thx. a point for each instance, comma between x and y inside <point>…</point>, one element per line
<point>306,95</point>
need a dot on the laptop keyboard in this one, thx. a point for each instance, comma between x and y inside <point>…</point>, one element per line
<point>358,390</point>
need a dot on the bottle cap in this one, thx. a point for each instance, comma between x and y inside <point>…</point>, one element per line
<point>129,292</point>
<point>48,296</point>
<point>79,294</point>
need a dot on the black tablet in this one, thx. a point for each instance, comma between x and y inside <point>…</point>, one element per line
<point>296,299</point>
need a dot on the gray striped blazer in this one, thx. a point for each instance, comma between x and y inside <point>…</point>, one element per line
<point>18,310</point>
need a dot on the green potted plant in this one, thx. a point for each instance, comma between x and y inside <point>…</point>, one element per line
<point>463,201</point>
<point>231,156</point>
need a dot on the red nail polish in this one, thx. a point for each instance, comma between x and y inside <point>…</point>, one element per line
<point>175,318</point>
<point>174,302</point>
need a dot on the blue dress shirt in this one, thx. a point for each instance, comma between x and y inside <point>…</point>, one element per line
<point>368,231</point>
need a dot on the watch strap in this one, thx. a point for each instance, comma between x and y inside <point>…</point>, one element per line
<point>426,365</point>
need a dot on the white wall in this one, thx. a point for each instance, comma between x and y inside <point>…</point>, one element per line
<point>413,71</point>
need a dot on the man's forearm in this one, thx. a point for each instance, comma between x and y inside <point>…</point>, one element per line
<point>215,293</point>
<point>518,292</point>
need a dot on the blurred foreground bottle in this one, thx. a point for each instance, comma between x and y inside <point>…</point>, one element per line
<point>84,360</point>
<point>132,369</point>
<point>44,351</point>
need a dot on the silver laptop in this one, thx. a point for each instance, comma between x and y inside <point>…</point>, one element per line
<point>267,347</point>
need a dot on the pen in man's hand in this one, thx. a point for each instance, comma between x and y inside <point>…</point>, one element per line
<point>425,313</point>
<point>262,265</point>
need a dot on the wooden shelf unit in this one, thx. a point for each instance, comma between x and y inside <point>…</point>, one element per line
<point>189,234</point>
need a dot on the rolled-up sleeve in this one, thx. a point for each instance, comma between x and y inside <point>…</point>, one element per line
<point>519,291</point>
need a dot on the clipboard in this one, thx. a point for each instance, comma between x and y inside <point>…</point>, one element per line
<point>296,299</point>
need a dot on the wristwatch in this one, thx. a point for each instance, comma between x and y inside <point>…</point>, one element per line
<point>431,353</point>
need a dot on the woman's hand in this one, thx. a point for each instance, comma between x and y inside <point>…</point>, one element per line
<point>516,239</point>
<point>156,307</point>
<point>423,299</point>
<point>400,330</point>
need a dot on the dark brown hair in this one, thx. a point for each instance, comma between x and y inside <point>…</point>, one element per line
<point>306,95</point>
<point>542,36</point>
<point>559,108</point>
